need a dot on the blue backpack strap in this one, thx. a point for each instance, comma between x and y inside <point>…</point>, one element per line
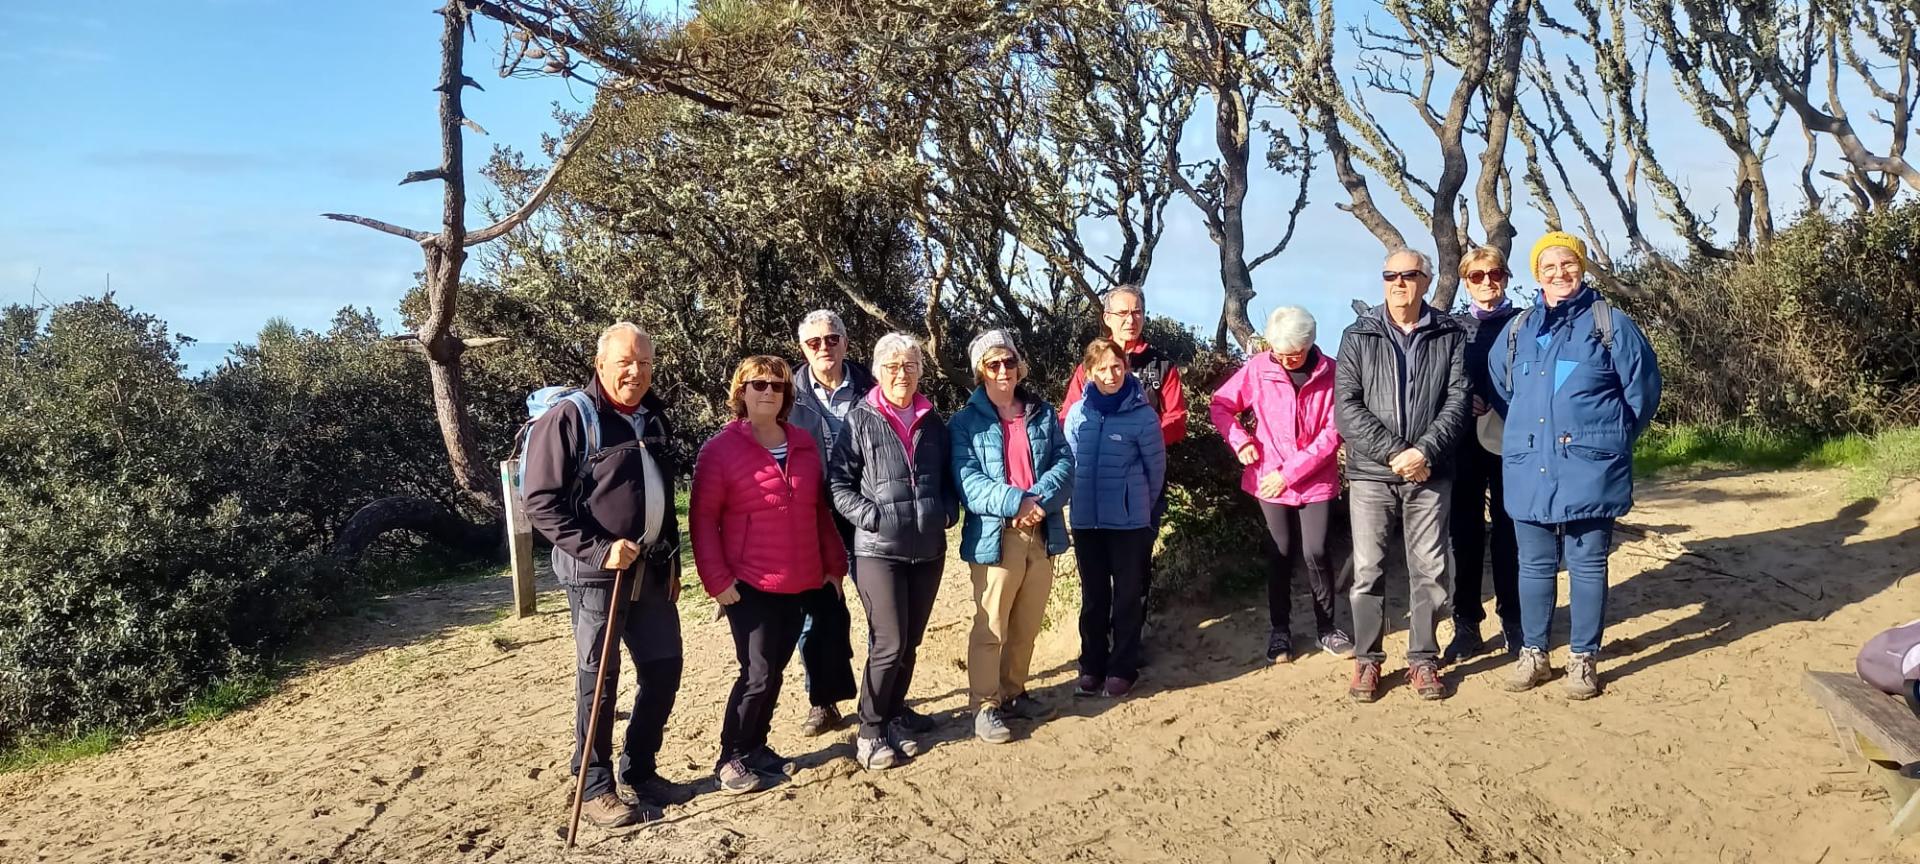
<point>1513,340</point>
<point>589,425</point>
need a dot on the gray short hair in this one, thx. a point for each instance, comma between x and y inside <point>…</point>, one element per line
<point>896,343</point>
<point>1291,328</point>
<point>820,316</point>
<point>1124,288</point>
<point>621,328</point>
<point>1426,261</point>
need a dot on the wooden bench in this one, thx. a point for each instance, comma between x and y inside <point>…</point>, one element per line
<point>1878,729</point>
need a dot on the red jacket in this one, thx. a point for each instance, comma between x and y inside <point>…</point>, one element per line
<point>755,522</point>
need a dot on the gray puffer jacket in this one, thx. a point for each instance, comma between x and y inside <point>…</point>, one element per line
<point>899,511</point>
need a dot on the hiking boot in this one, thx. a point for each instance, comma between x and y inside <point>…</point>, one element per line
<point>1025,707</point>
<point>1337,643</point>
<point>990,727</point>
<point>1279,649</point>
<point>916,722</point>
<point>659,791</point>
<point>608,811</point>
<point>821,719</point>
<point>1086,686</point>
<point>1116,688</point>
<point>902,739</point>
<point>1365,686</point>
<point>1530,670</point>
<point>1466,644</point>
<point>737,779</point>
<point>874,754</point>
<point>769,764</point>
<point>1583,676</point>
<point>1425,678</point>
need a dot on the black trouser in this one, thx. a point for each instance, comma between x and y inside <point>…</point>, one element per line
<point>1298,534</point>
<point>1476,479</point>
<point>1159,515</point>
<point>766,627</point>
<point>658,663</point>
<point>1113,582</point>
<point>826,641</point>
<point>898,596</point>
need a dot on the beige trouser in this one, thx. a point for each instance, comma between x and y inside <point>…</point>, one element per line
<point>1010,602</point>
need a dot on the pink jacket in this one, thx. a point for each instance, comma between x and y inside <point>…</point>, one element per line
<point>757,523</point>
<point>1294,432</point>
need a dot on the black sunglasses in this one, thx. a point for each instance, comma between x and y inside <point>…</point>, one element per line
<point>1400,275</point>
<point>831,340</point>
<point>763,386</point>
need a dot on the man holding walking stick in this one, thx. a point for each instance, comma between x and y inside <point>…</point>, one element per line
<point>598,485</point>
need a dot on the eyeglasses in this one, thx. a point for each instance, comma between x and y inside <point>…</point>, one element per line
<point>1401,276</point>
<point>897,369</point>
<point>831,340</point>
<point>1000,363</point>
<point>1479,276</point>
<point>762,386</point>
<point>1126,313</point>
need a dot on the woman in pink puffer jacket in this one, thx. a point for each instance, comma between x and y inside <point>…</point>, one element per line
<point>766,548</point>
<point>1291,468</point>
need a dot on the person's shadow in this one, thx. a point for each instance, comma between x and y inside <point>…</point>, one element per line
<point>1742,584</point>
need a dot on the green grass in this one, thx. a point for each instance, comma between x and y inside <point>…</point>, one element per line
<point>231,695</point>
<point>1875,460</point>
<point>49,751</point>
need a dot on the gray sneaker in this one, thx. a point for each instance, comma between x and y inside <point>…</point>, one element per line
<point>902,739</point>
<point>1583,676</point>
<point>737,779</point>
<point>874,754</point>
<point>990,727</point>
<point>1530,671</point>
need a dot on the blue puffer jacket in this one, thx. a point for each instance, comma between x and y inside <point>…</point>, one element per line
<point>980,466</point>
<point>1573,411</point>
<point>1120,459</point>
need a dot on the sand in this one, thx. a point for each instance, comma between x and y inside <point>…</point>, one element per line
<point>427,730</point>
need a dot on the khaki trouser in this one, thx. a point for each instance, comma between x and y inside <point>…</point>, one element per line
<point>1010,601</point>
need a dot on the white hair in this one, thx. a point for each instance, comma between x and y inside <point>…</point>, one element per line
<point>1291,328</point>
<point>897,343</point>
<point>820,316</point>
<point>622,328</point>
<point>1106,303</point>
<point>1426,262</point>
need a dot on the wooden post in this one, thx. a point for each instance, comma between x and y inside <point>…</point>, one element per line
<point>519,539</point>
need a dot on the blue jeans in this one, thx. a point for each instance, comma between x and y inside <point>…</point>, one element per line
<point>1583,544</point>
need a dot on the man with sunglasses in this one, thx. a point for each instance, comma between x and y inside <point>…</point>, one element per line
<point>826,387</point>
<point>1476,476</point>
<point>1401,402</point>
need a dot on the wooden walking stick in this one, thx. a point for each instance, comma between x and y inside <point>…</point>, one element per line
<point>607,647</point>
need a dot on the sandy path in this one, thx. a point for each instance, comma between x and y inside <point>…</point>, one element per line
<point>429,734</point>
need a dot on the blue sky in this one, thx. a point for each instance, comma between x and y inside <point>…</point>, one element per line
<point>187,148</point>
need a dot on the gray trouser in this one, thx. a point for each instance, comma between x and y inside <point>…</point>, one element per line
<point>1419,511</point>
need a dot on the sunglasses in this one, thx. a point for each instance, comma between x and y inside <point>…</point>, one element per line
<point>831,340</point>
<point>1002,363</point>
<point>761,386</point>
<point>1479,276</point>
<point>1401,275</point>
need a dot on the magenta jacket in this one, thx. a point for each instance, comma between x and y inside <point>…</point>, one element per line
<point>1294,432</point>
<point>757,523</point>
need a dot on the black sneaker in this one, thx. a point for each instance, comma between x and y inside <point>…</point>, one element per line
<point>1025,707</point>
<point>1466,645</point>
<point>916,722</point>
<point>1279,648</point>
<point>769,764</point>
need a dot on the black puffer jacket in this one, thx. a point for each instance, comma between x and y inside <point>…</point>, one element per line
<point>899,511</point>
<point>1379,417</point>
<point>1483,337</point>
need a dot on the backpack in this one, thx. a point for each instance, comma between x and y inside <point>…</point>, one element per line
<point>539,402</point>
<point>1602,324</point>
<point>1152,372</point>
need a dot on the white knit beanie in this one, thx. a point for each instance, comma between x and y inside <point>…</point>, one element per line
<point>985,342</point>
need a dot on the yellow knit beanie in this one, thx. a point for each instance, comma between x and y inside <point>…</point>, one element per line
<point>1556,238</point>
